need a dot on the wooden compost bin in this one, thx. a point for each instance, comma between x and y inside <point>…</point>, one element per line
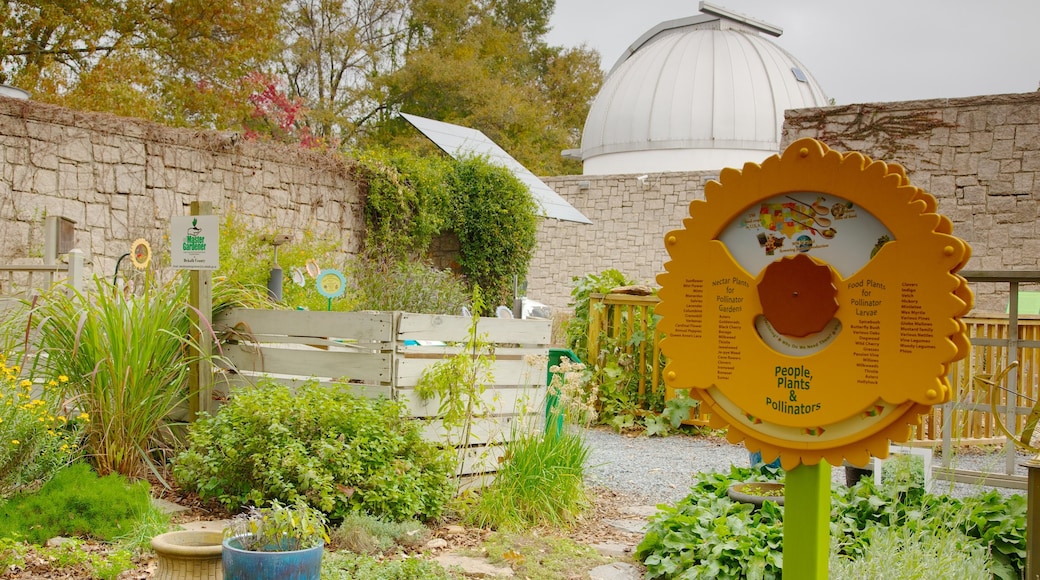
<point>383,354</point>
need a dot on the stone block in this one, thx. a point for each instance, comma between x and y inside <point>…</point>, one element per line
<point>1023,183</point>
<point>97,216</point>
<point>78,149</point>
<point>996,205</point>
<point>109,154</point>
<point>120,225</point>
<point>1000,187</point>
<point>1024,114</point>
<point>45,181</point>
<point>960,138</point>
<point>1002,149</point>
<point>1010,166</point>
<point>1031,161</point>
<point>1027,137</point>
<point>129,179</point>
<point>1003,132</point>
<point>981,141</point>
<point>988,169</point>
<point>105,178</point>
<point>133,152</point>
<point>965,164</point>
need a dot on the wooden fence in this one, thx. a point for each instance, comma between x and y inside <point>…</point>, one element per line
<point>383,354</point>
<point>21,280</point>
<point>624,322</point>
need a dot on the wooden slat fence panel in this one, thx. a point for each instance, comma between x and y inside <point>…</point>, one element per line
<point>385,354</point>
<point>619,317</point>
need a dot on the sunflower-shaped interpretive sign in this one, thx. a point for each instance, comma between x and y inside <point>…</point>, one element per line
<point>812,304</point>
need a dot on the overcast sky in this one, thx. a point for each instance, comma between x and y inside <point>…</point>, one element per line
<point>859,52</point>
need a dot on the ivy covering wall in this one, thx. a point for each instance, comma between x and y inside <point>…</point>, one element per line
<point>409,199</point>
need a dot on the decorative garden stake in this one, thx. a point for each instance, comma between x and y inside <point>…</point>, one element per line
<point>812,303</point>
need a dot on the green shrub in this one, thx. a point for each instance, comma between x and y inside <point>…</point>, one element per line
<point>708,535</point>
<point>409,286</point>
<point>365,534</point>
<point>540,483</point>
<point>496,222</point>
<point>246,259</point>
<point>76,502</point>
<point>411,199</point>
<point>341,453</point>
<point>36,437</point>
<point>584,287</point>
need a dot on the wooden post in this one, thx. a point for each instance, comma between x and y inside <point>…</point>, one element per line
<point>807,516</point>
<point>1032,513</point>
<point>200,375</point>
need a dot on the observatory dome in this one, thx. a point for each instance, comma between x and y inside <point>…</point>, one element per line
<point>698,93</point>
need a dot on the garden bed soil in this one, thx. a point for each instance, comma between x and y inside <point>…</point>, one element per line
<point>592,529</point>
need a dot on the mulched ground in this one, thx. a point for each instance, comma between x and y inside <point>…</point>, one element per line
<point>591,529</point>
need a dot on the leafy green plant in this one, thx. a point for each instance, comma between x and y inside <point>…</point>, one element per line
<point>496,222</point>
<point>708,535</point>
<point>540,483</point>
<point>279,528</point>
<point>584,287</point>
<point>76,502</point>
<point>410,199</point>
<point>341,453</point>
<point>127,362</point>
<point>407,201</point>
<point>36,437</point>
<point>406,285</point>
<point>458,383</point>
<point>676,410</point>
<point>246,259</point>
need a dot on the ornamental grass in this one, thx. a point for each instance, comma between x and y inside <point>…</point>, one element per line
<point>127,357</point>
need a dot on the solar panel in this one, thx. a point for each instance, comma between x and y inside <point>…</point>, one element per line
<point>459,141</point>
<point>799,75</point>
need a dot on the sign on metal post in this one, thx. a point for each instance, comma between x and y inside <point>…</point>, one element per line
<point>812,304</point>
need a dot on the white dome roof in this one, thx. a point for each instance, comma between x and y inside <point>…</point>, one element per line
<point>699,93</point>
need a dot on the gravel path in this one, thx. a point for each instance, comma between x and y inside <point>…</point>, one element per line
<point>659,470</point>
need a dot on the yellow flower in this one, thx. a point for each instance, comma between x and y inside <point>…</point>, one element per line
<point>84,416</point>
<point>14,442</point>
<point>62,418</point>
<point>26,383</point>
<point>52,383</point>
<point>63,378</point>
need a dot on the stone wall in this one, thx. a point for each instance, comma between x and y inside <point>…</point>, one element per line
<point>979,156</point>
<point>121,179</point>
<point>630,217</point>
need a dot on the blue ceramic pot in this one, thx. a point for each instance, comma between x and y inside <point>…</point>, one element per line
<point>242,564</point>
